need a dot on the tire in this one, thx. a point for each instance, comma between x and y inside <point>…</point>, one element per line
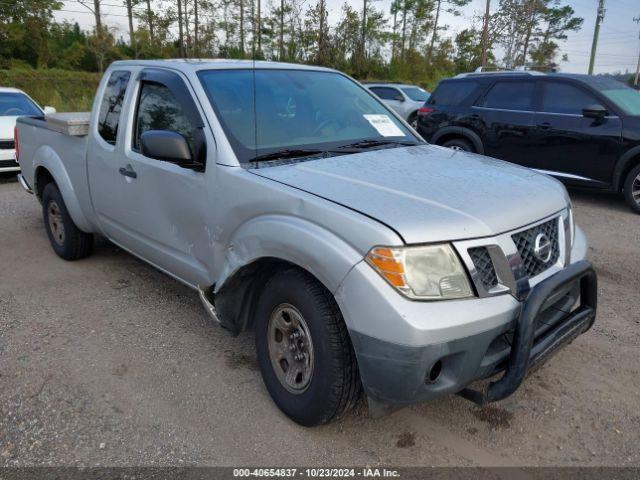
<point>632,189</point>
<point>67,240</point>
<point>459,144</point>
<point>327,383</point>
<point>413,121</point>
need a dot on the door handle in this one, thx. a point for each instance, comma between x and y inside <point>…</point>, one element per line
<point>545,126</point>
<point>128,171</point>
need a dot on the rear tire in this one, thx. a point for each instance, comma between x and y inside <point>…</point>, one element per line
<point>632,189</point>
<point>305,354</point>
<point>413,121</point>
<point>459,144</point>
<point>67,240</point>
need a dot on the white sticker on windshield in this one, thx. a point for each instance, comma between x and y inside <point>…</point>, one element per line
<point>384,125</point>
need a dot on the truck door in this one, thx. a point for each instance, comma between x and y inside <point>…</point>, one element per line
<point>162,209</point>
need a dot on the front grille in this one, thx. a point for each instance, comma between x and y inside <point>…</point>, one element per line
<point>8,163</point>
<point>7,145</point>
<point>484,266</point>
<point>525,243</point>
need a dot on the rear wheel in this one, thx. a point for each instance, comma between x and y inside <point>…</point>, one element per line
<point>459,144</point>
<point>304,351</point>
<point>413,121</point>
<point>67,240</point>
<point>632,189</point>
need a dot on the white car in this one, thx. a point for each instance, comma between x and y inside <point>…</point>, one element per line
<point>14,103</point>
<point>404,99</point>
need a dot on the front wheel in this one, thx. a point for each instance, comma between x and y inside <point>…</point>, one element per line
<point>304,351</point>
<point>66,239</point>
<point>632,189</point>
<point>459,144</point>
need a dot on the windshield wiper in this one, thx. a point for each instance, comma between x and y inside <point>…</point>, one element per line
<point>371,143</point>
<point>286,153</point>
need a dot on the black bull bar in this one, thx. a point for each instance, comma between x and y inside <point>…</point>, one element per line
<point>525,355</point>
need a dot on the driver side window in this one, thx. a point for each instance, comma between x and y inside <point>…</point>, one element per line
<point>564,98</point>
<point>158,109</point>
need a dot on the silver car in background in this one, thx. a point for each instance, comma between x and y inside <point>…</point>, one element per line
<point>403,98</point>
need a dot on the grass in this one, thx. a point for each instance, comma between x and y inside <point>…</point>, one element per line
<point>65,90</point>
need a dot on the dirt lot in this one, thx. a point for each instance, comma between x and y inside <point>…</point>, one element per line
<point>106,361</point>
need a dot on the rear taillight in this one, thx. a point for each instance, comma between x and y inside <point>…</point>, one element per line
<point>425,110</point>
<point>15,141</point>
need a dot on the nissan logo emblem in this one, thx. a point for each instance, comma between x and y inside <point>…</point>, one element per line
<point>542,248</point>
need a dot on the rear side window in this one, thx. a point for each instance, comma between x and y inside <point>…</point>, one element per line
<point>510,96</point>
<point>453,93</point>
<point>386,93</point>
<point>564,98</point>
<point>158,109</point>
<point>111,106</point>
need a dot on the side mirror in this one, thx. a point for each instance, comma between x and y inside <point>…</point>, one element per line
<point>399,98</point>
<point>594,111</point>
<point>48,110</point>
<point>166,145</point>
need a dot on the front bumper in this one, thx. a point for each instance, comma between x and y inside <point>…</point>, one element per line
<point>400,343</point>
<point>8,162</point>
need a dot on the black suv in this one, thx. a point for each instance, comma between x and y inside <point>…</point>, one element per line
<point>583,130</point>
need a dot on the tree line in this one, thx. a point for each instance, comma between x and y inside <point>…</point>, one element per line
<point>408,41</point>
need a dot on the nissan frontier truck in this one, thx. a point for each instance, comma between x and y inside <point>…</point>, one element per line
<point>298,205</point>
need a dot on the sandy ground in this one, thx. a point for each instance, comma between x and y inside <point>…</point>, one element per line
<point>107,361</point>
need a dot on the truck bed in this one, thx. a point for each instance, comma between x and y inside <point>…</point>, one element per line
<point>38,136</point>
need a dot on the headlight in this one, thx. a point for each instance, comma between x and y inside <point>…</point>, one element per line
<point>431,272</point>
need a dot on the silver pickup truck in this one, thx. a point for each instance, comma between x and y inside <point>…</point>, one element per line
<point>298,205</point>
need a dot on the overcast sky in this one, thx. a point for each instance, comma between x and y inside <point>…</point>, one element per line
<point>618,48</point>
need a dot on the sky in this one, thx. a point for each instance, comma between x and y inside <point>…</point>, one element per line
<point>618,47</point>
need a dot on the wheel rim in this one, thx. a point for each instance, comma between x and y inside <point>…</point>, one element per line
<point>456,147</point>
<point>635,189</point>
<point>290,348</point>
<point>56,226</point>
<point>414,123</point>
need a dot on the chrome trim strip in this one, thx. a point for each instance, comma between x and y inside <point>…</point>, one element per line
<point>24,183</point>
<point>540,112</point>
<point>553,173</point>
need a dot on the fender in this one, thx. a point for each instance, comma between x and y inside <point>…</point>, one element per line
<point>463,132</point>
<point>46,157</point>
<point>292,239</point>
<point>623,164</point>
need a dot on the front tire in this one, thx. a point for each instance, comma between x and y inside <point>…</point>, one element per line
<point>632,189</point>
<point>459,144</point>
<point>67,240</point>
<point>304,350</point>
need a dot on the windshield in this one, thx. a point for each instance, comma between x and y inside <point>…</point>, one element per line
<point>416,93</point>
<point>16,104</point>
<point>625,97</point>
<point>295,110</point>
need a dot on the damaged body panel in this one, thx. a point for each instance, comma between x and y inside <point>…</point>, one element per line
<point>295,203</point>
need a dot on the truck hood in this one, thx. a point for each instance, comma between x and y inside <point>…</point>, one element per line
<point>427,193</point>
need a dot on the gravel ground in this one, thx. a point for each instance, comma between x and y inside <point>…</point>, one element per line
<point>107,361</point>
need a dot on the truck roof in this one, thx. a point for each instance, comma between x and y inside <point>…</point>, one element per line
<point>195,64</point>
